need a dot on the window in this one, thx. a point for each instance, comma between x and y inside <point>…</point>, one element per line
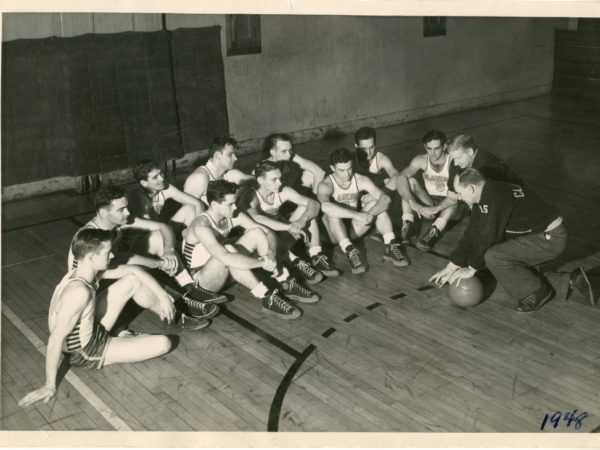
<point>243,34</point>
<point>434,26</point>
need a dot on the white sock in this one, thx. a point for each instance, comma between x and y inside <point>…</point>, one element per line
<point>259,291</point>
<point>408,217</point>
<point>344,243</point>
<point>440,223</point>
<point>388,237</point>
<point>284,275</point>
<point>314,251</point>
<point>184,278</point>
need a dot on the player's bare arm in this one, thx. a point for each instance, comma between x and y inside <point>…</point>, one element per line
<point>184,198</point>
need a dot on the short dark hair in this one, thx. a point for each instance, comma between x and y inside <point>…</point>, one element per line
<point>340,155</point>
<point>434,135</point>
<point>470,176</point>
<point>365,133</point>
<point>218,189</point>
<point>462,142</point>
<point>106,194</point>
<point>266,166</point>
<point>272,139</point>
<point>142,169</point>
<point>89,240</point>
<point>219,144</point>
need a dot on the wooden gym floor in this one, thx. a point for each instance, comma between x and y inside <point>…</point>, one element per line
<point>383,351</point>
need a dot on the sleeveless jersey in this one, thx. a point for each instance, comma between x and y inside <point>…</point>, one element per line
<point>117,234</point>
<point>436,183</point>
<point>270,209</point>
<point>349,196</point>
<point>82,333</point>
<point>196,255</point>
<point>210,169</point>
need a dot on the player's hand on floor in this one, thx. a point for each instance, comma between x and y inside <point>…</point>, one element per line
<point>45,393</point>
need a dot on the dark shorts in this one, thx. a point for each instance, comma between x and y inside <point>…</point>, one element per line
<point>92,355</point>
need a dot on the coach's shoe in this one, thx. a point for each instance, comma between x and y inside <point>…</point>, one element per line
<point>295,291</point>
<point>322,264</point>
<point>429,239</point>
<point>407,231</point>
<point>355,260</point>
<point>580,282</point>
<point>395,255</point>
<point>308,272</point>
<point>275,304</point>
<point>535,300</point>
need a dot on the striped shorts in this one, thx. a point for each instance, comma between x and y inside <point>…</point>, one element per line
<point>92,355</point>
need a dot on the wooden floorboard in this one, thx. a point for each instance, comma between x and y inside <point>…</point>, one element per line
<point>389,353</point>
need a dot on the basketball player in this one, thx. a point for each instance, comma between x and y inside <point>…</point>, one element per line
<point>79,318</point>
<point>435,167</point>
<point>212,258</point>
<point>264,203</point>
<point>534,234</point>
<point>113,215</point>
<point>148,198</point>
<point>219,166</point>
<point>300,174</point>
<point>351,205</point>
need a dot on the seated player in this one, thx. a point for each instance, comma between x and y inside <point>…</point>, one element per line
<point>417,197</point>
<point>264,203</point>
<point>212,258</point>
<point>511,231</point>
<point>218,167</point>
<point>377,166</point>
<point>80,317</point>
<point>112,215</point>
<point>154,199</point>
<point>301,174</point>
<point>351,205</point>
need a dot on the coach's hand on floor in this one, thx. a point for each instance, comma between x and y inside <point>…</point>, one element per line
<point>461,274</point>
<point>440,278</point>
<point>44,393</point>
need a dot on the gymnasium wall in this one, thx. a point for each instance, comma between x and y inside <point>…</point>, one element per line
<point>318,73</point>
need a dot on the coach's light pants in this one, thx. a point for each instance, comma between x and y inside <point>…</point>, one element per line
<point>511,261</point>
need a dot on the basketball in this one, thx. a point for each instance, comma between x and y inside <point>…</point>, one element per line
<point>468,293</point>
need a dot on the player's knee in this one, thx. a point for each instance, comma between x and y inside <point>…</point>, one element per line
<point>133,283</point>
<point>256,235</point>
<point>163,344</point>
<point>491,257</point>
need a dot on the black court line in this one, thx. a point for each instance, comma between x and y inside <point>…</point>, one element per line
<point>263,334</point>
<point>373,306</point>
<point>425,288</point>
<point>350,318</point>
<point>397,296</point>
<point>329,332</point>
<point>275,410</point>
<point>46,222</point>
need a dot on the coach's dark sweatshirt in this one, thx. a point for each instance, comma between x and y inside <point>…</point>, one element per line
<point>504,211</point>
<point>490,167</point>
